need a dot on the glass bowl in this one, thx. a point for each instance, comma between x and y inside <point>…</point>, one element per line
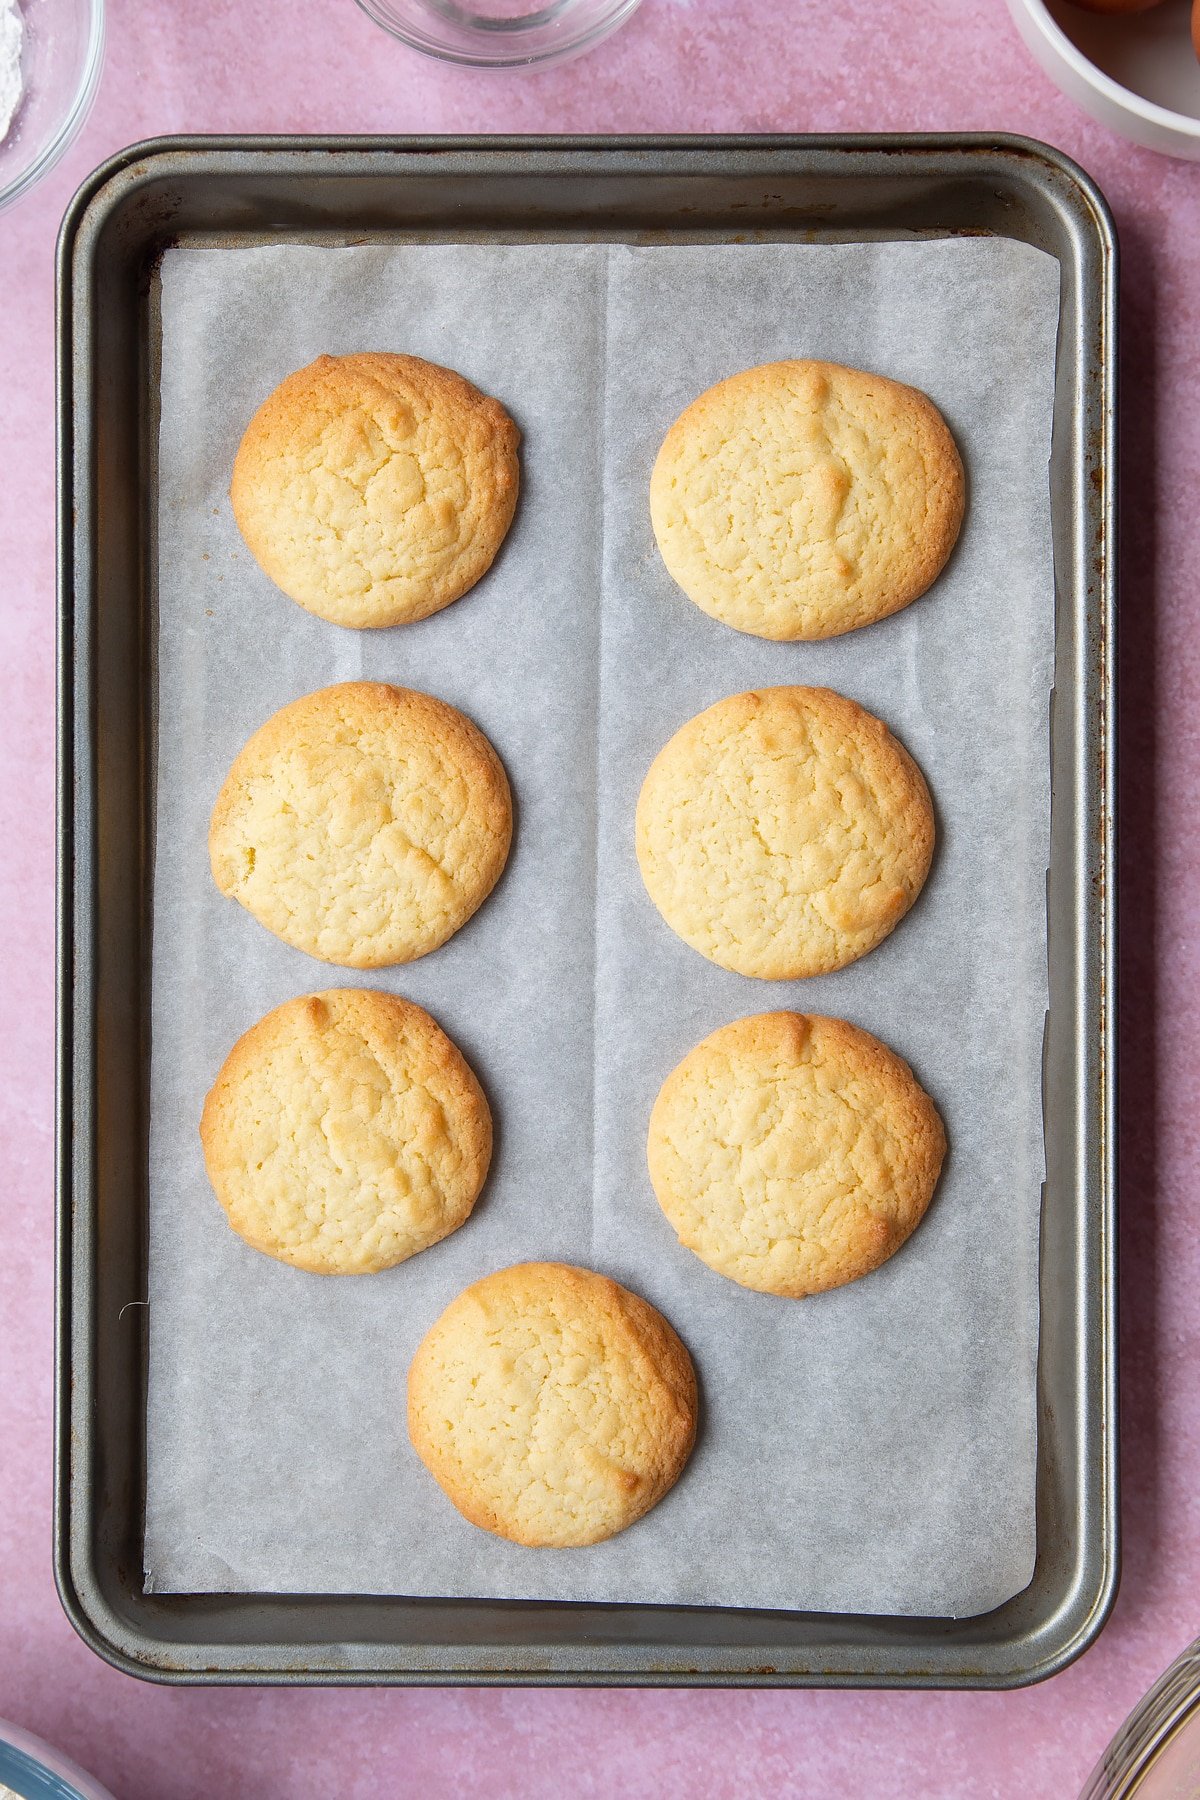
<point>62,48</point>
<point>31,1770</point>
<point>1156,1753</point>
<point>500,34</point>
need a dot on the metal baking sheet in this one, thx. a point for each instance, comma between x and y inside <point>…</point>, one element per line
<point>650,190</point>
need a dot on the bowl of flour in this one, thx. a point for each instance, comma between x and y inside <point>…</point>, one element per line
<point>50,57</point>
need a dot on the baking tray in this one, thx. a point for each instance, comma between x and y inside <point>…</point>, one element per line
<point>655,190</point>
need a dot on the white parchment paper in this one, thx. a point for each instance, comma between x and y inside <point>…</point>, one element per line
<point>872,1449</point>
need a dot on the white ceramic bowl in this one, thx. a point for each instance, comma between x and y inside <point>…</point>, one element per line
<point>61,54</point>
<point>1134,72</point>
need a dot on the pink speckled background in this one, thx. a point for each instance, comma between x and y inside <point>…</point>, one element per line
<point>680,65</point>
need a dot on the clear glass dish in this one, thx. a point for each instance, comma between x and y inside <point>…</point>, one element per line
<point>500,34</point>
<point>62,48</point>
<point>1156,1753</point>
<point>32,1770</point>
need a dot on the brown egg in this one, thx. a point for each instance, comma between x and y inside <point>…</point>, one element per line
<point>1196,26</point>
<point>1115,6</point>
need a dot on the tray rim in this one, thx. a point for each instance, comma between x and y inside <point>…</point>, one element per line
<point>78,1587</point>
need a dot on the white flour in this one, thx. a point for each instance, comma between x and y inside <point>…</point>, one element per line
<point>11,33</point>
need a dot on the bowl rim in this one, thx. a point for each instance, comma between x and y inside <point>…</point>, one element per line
<point>73,118</point>
<point>509,44</point>
<point>1148,110</point>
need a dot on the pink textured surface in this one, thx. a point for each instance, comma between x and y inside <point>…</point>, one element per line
<point>680,65</point>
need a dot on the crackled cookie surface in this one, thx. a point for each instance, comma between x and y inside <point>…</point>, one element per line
<point>374,488</point>
<point>784,832</point>
<point>553,1406</point>
<point>363,824</point>
<point>345,1132</point>
<point>794,1153</point>
<point>804,499</point>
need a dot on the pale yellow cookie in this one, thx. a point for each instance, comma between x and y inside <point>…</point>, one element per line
<point>553,1406</point>
<point>803,499</point>
<point>784,833</point>
<point>346,1132</point>
<point>375,489</point>
<point>363,824</point>
<point>794,1153</point>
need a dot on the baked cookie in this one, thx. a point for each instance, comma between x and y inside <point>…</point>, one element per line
<point>802,499</point>
<point>784,832</point>
<point>552,1406</point>
<point>794,1153</point>
<point>375,489</point>
<point>346,1132</point>
<point>363,824</point>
